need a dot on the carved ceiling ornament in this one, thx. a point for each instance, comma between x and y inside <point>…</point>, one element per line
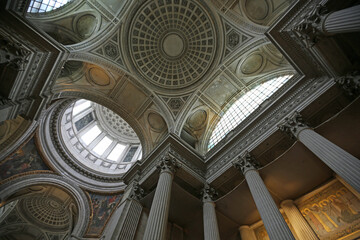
<point>13,54</point>
<point>293,124</point>
<point>172,43</point>
<point>168,164</point>
<point>208,193</point>
<point>310,28</point>
<point>137,192</point>
<point>350,83</point>
<point>246,162</point>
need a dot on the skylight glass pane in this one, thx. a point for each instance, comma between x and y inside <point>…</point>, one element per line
<point>244,106</point>
<point>89,136</point>
<point>81,107</point>
<point>46,5</point>
<point>102,145</point>
<point>116,152</point>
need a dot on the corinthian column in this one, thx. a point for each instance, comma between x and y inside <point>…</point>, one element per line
<point>247,233</point>
<point>341,162</point>
<point>319,23</point>
<point>301,226</point>
<point>211,230</point>
<point>273,221</point>
<point>157,221</point>
<point>342,21</point>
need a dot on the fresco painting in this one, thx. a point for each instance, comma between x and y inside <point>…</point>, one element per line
<point>332,213</point>
<point>102,206</point>
<point>25,159</point>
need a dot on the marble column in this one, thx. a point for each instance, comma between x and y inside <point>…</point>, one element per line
<point>341,162</point>
<point>247,233</point>
<point>274,222</point>
<point>318,23</point>
<point>158,216</point>
<point>211,230</point>
<point>300,225</point>
<point>132,212</point>
<point>351,189</point>
<point>342,21</point>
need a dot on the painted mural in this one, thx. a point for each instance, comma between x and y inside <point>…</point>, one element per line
<point>25,159</point>
<point>102,206</point>
<point>332,213</point>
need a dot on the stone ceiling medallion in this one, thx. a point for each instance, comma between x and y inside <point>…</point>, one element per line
<point>172,43</point>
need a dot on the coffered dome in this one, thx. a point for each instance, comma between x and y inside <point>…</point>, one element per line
<point>172,43</point>
<point>47,212</point>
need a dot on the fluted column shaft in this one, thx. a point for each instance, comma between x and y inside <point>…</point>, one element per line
<point>342,21</point>
<point>351,189</point>
<point>274,222</point>
<point>247,233</point>
<point>300,225</point>
<point>341,162</point>
<point>157,221</point>
<point>211,230</point>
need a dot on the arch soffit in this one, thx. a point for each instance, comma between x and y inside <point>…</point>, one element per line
<point>115,98</point>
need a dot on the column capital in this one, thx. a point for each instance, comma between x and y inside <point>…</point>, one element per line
<point>168,164</point>
<point>350,83</point>
<point>244,227</point>
<point>208,193</point>
<point>137,192</point>
<point>246,162</point>
<point>293,124</point>
<point>287,202</point>
<point>310,28</point>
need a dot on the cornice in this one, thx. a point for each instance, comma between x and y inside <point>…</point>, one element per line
<point>304,60</point>
<point>307,91</point>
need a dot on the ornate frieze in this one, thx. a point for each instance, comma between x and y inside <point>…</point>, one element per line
<point>246,162</point>
<point>293,124</point>
<point>208,193</point>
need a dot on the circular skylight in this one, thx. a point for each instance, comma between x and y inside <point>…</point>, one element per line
<point>40,6</point>
<point>244,106</point>
<point>99,138</point>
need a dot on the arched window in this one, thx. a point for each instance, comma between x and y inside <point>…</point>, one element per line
<point>40,6</point>
<point>244,106</point>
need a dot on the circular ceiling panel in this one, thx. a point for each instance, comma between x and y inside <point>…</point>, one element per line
<point>172,43</point>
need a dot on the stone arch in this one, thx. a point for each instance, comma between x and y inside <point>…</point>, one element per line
<point>8,189</point>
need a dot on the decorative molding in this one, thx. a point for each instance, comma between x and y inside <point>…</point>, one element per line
<point>293,124</point>
<point>309,29</point>
<point>168,164</point>
<point>218,161</point>
<point>208,193</point>
<point>137,193</point>
<point>350,83</point>
<point>246,162</point>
